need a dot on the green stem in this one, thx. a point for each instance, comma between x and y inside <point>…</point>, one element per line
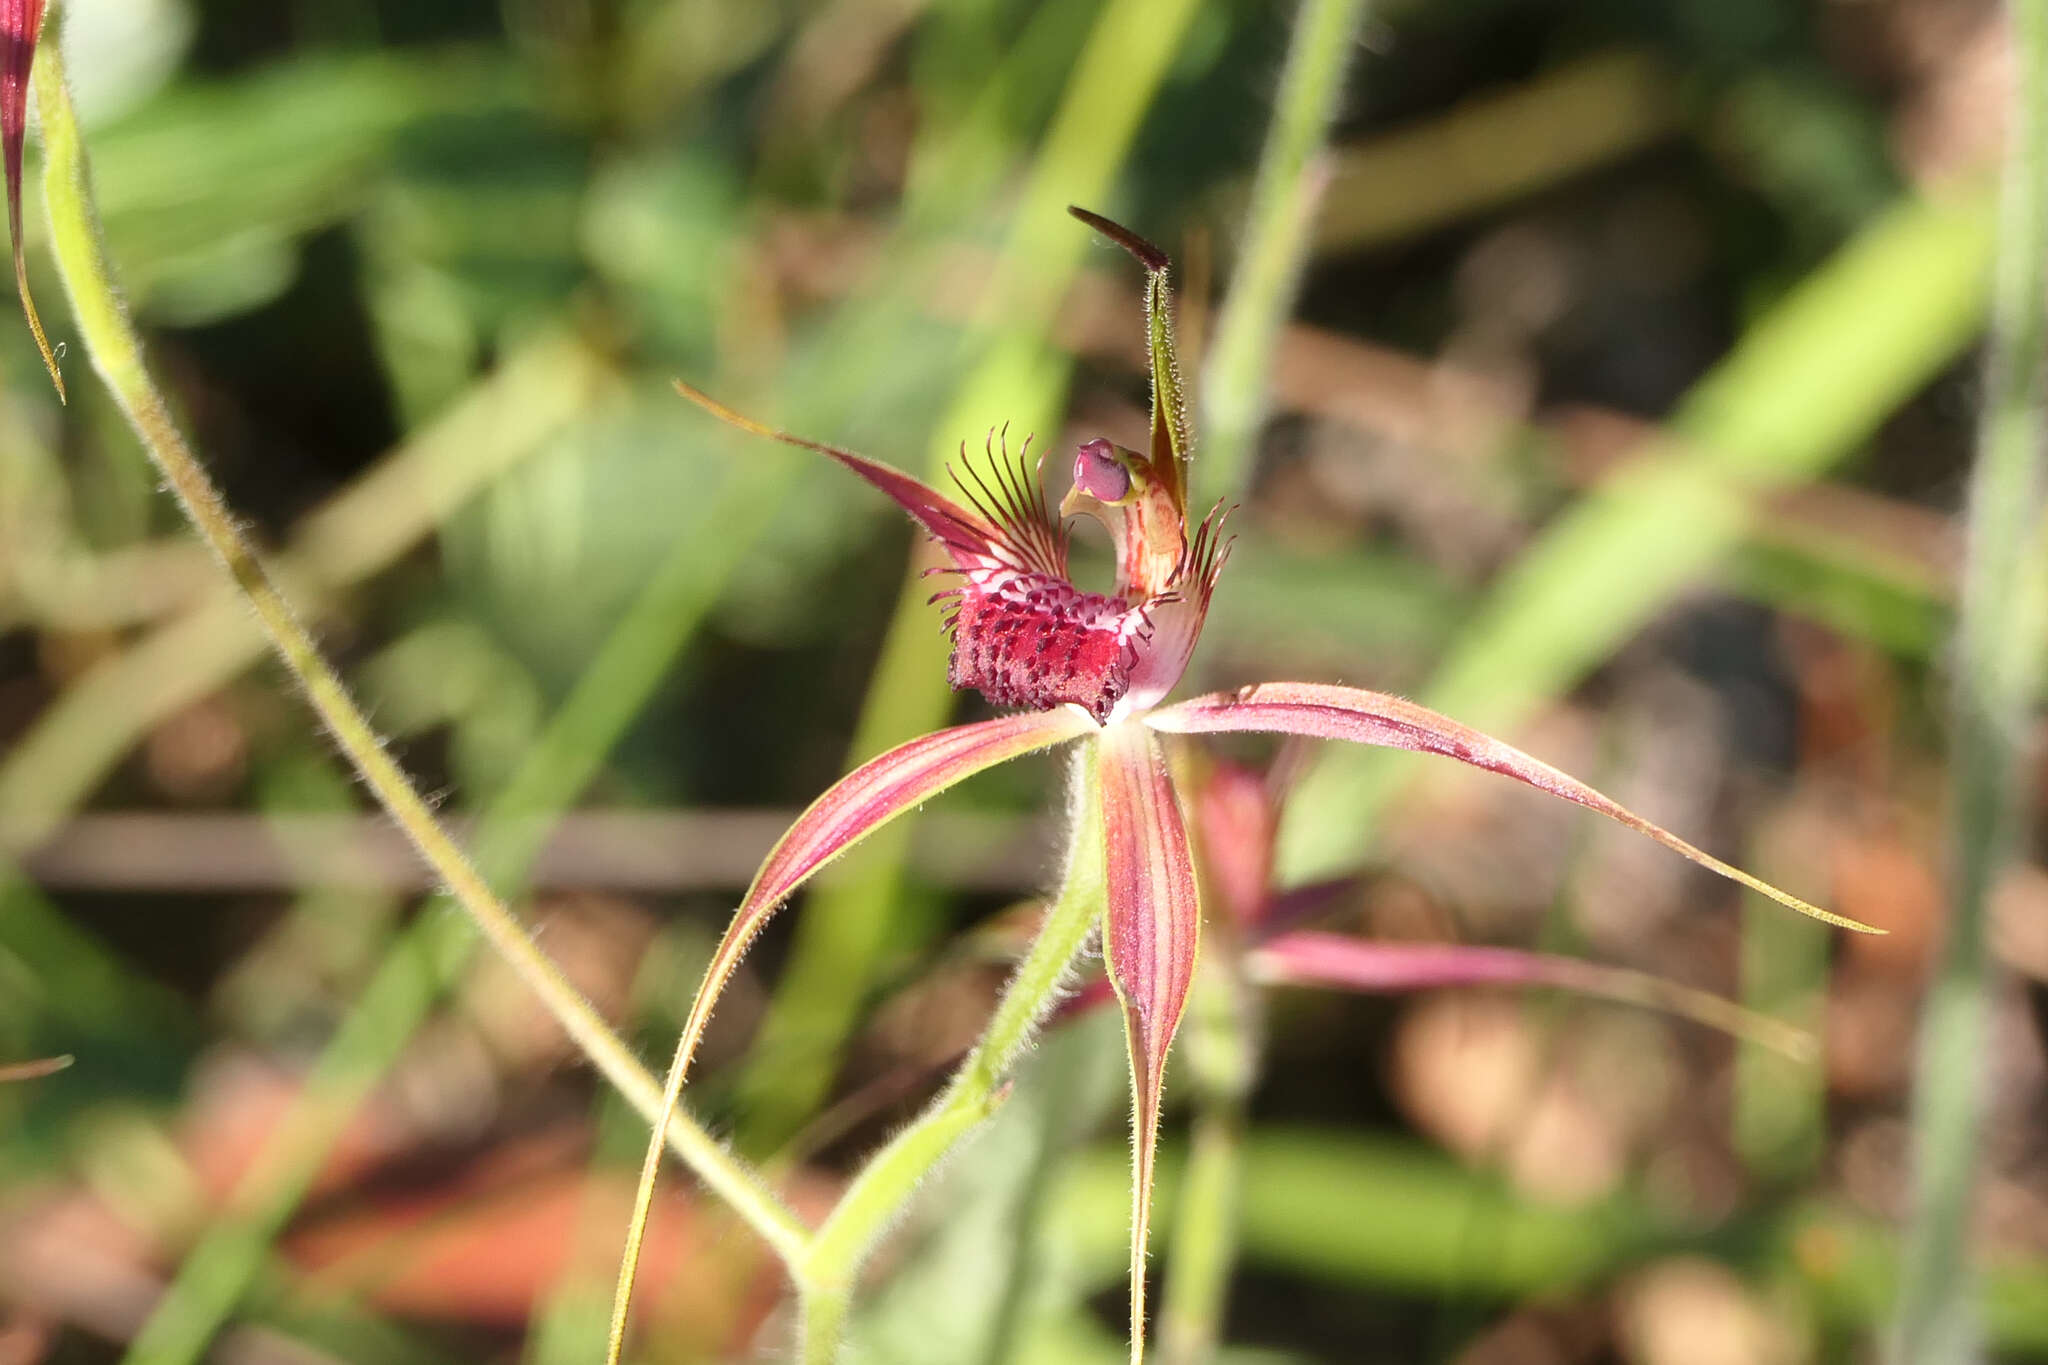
<point>1204,1245</point>
<point>878,1194</point>
<point>1219,1049</point>
<point>821,1322</point>
<point>2004,620</point>
<point>1276,239</point>
<point>116,352</point>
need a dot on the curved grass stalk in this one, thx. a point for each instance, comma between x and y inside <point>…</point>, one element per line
<point>116,353</point>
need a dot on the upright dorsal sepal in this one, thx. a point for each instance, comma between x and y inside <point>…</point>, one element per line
<point>1172,441</point>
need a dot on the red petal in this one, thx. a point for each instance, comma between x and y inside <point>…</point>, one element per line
<point>1321,711</point>
<point>21,23</point>
<point>1315,959</point>
<point>857,805</point>
<point>1151,928</point>
<point>969,538</point>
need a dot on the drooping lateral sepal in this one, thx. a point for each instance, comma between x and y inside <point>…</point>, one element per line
<point>1323,711</point>
<point>1010,536</point>
<point>856,806</point>
<point>1338,961</point>
<point>1151,931</point>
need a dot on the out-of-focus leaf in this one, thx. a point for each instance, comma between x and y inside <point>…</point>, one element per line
<point>1354,1210</point>
<point>194,178</point>
<point>1296,610</point>
<point>1852,1265</point>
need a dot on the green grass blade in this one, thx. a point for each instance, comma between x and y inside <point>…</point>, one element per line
<point>1285,195</point>
<point>1998,673</point>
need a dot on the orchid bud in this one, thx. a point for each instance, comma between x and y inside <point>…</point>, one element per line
<point>1100,474</point>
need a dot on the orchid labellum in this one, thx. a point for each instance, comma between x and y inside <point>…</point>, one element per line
<point>1096,667</point>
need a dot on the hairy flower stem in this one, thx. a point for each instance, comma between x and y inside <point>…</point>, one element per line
<point>884,1187</point>
<point>116,352</point>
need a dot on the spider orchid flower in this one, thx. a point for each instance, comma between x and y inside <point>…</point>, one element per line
<point>21,25</point>
<point>1096,666</point>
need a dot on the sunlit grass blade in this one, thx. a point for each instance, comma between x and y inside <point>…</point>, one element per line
<point>433,952</point>
<point>1309,958</point>
<point>509,416</point>
<point>1150,934</point>
<point>1322,711</point>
